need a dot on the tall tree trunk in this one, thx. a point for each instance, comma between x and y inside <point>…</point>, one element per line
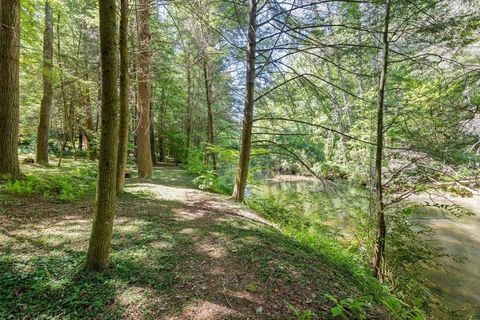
<point>64,110</point>
<point>101,236</point>
<point>9,87</point>
<point>46,104</point>
<point>242,174</point>
<point>152,132</point>
<point>161,127</point>
<point>124,112</point>
<point>188,124</point>
<point>209,93</point>
<point>90,128</point>
<point>144,155</point>
<point>379,249</point>
<point>73,123</point>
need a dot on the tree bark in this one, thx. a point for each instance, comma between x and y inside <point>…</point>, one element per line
<point>144,156</point>
<point>379,248</point>
<point>161,126</point>
<point>207,72</point>
<point>101,236</point>
<point>9,88</point>
<point>152,132</point>
<point>47,99</point>
<point>124,112</point>
<point>64,110</point>
<point>90,129</point>
<point>242,174</point>
<point>188,125</point>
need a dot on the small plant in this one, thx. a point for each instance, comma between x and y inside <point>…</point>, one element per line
<point>206,181</point>
<point>349,308</point>
<point>252,287</point>
<point>301,314</point>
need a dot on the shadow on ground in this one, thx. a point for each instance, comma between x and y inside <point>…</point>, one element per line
<point>170,260</point>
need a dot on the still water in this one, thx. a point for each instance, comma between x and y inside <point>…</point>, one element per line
<point>457,286</point>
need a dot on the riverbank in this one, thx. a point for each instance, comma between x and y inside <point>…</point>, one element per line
<point>177,253</point>
<point>342,210</point>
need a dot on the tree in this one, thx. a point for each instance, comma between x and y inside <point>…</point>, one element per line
<point>207,72</point>
<point>379,249</point>
<point>46,104</point>
<point>144,155</point>
<point>101,236</point>
<point>188,120</point>
<point>9,87</point>
<point>242,174</point>
<point>124,113</point>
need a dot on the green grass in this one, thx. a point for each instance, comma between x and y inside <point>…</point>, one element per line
<point>67,183</point>
<point>168,258</point>
<point>317,237</point>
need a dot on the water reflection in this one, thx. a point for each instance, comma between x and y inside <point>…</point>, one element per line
<point>456,287</point>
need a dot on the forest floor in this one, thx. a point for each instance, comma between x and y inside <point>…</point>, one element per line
<point>177,253</point>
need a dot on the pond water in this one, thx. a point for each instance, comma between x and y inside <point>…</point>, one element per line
<point>457,286</point>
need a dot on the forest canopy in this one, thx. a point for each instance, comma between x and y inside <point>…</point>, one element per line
<point>378,95</point>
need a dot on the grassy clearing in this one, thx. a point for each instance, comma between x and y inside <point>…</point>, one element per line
<point>170,260</point>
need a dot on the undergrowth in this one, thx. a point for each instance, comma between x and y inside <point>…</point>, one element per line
<point>284,210</point>
<point>218,181</point>
<point>65,184</point>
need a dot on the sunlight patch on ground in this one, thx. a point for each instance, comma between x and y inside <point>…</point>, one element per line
<point>214,251</point>
<point>189,215</point>
<point>161,245</point>
<point>203,310</point>
<point>64,233</point>
<point>187,231</point>
<point>163,192</point>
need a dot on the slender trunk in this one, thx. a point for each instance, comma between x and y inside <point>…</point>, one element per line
<point>124,112</point>
<point>73,124</point>
<point>209,92</point>
<point>64,98</point>
<point>46,104</point>
<point>337,116</point>
<point>188,125</point>
<point>134,91</point>
<point>161,129</point>
<point>379,249</point>
<point>97,110</point>
<point>101,236</point>
<point>80,140</point>
<point>144,155</point>
<point>346,110</point>
<point>242,174</point>
<point>361,83</point>
<point>9,87</point>
<point>90,129</point>
<point>152,132</point>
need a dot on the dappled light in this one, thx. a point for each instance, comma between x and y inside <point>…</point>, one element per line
<point>171,259</point>
<point>239,159</point>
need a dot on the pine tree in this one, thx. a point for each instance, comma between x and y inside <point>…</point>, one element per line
<point>124,114</point>
<point>144,155</point>
<point>9,87</point>
<point>46,104</point>
<point>101,236</point>
<point>242,174</point>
